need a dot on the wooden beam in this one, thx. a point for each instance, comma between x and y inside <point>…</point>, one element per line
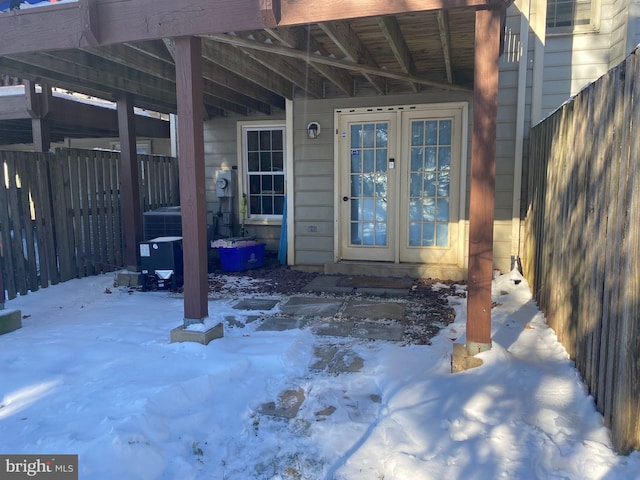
<point>482,188</point>
<point>296,12</point>
<point>41,132</point>
<point>106,22</point>
<point>295,72</point>
<point>66,112</point>
<point>227,57</point>
<point>193,200</point>
<point>391,30</point>
<point>350,44</point>
<point>445,40</point>
<point>66,81</point>
<point>346,64</point>
<point>14,107</point>
<point>299,38</point>
<point>130,184</point>
<point>89,21</point>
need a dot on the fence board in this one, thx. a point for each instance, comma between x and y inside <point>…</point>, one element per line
<point>117,217</point>
<point>582,238</point>
<point>15,226</point>
<point>44,222</point>
<point>626,393</point>
<point>63,218</point>
<point>76,213</point>
<point>5,224</point>
<point>27,234</point>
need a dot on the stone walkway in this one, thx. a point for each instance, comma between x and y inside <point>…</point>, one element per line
<point>342,318</point>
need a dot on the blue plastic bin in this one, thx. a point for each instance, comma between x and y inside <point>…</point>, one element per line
<point>239,259</point>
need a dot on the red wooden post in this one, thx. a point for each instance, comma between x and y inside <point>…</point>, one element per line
<point>483,171</point>
<point>192,177</point>
<point>130,183</point>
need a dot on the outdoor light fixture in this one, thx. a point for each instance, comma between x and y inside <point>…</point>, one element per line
<point>313,130</point>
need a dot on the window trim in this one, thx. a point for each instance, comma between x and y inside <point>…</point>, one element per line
<point>592,27</point>
<point>243,176</point>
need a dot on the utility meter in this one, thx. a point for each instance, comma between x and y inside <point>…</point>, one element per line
<point>224,183</point>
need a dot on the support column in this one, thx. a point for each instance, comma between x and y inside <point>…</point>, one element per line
<point>192,177</point>
<point>38,108</point>
<point>482,188</point>
<point>130,182</point>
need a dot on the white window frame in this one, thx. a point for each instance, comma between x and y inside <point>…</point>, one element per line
<point>243,174</point>
<point>592,26</point>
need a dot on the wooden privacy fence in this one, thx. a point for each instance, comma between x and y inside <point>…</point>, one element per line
<point>583,240</point>
<point>60,213</point>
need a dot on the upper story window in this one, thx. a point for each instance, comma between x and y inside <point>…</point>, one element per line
<point>263,170</point>
<point>566,16</point>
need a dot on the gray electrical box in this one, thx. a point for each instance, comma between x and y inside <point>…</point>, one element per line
<point>224,183</point>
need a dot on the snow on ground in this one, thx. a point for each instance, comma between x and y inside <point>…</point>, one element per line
<point>93,373</point>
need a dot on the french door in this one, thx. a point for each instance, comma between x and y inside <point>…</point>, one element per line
<point>399,184</point>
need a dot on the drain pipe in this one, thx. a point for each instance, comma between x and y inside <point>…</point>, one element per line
<point>525,8</point>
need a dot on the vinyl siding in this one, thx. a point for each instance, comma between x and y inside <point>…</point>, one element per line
<point>572,61</point>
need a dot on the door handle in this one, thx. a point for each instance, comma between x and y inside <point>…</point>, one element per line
<point>345,199</point>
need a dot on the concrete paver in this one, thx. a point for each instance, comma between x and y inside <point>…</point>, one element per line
<point>312,306</point>
<point>374,310</point>
<point>256,304</point>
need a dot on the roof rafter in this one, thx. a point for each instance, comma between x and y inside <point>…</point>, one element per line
<point>350,44</point>
<point>299,38</point>
<point>292,52</point>
<point>445,39</point>
<point>391,30</point>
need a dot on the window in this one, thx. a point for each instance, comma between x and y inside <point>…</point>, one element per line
<point>571,15</point>
<point>263,170</point>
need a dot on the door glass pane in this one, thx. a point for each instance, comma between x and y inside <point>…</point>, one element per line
<point>369,164</point>
<point>430,183</point>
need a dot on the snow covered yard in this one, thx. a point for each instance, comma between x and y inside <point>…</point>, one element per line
<point>93,373</point>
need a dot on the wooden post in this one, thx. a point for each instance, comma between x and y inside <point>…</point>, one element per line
<point>38,108</point>
<point>192,177</point>
<point>482,188</point>
<point>130,182</point>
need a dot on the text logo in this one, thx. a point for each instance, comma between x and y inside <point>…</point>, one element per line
<point>49,467</point>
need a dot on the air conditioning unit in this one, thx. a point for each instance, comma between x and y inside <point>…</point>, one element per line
<point>162,264</point>
<point>162,222</point>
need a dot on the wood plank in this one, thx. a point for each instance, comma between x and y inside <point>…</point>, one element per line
<point>46,218</point>
<point>346,64</point>
<point>15,226</point>
<point>41,226</point>
<point>94,213</point>
<point>611,255</point>
<point>626,408</point>
<point>5,232</point>
<point>117,217</point>
<point>98,158</point>
<point>129,183</point>
<point>295,12</point>
<point>354,50</point>
<point>482,183</point>
<point>192,178</point>
<point>24,167</point>
<point>64,26</point>
<point>77,215</point>
<point>83,185</point>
